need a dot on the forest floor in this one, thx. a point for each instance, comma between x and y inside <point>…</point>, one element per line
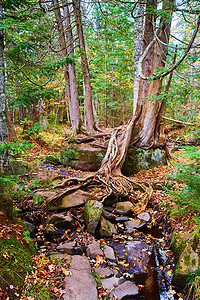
<point>163,209</point>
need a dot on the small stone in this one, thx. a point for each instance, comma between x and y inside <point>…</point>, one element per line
<point>30,226</point>
<point>123,208</point>
<point>60,220</point>
<point>108,215</point>
<point>94,249</point>
<point>144,216</point>
<point>109,253</point>
<point>126,289</point>
<point>70,248</point>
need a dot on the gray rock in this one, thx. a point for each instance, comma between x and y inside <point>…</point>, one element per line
<point>123,208</point>
<point>80,285</point>
<point>134,224</point>
<point>110,283</point>
<point>144,216</point>
<point>30,226</point>
<point>138,256</point>
<point>45,194</point>
<point>72,199</point>
<point>107,228</point>
<point>189,260</point>
<point>109,253</point>
<point>94,249</point>
<point>60,220</point>
<point>92,213</point>
<point>104,272</point>
<point>126,289</point>
<point>70,248</point>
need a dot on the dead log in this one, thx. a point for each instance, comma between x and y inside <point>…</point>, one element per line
<point>181,123</point>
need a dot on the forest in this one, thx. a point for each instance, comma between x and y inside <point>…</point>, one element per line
<point>100,149</point>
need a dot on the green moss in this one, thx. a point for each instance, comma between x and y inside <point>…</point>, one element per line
<point>69,153</point>
<point>178,244</point>
<point>15,261</point>
<point>187,258</point>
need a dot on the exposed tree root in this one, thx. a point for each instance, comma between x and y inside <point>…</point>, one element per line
<point>109,174</point>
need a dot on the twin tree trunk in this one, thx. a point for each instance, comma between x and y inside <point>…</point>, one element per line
<point>146,132</point>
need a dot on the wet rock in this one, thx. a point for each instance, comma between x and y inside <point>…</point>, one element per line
<point>126,289</point>
<point>121,219</point>
<point>144,216</point>
<point>107,228</point>
<point>61,221</point>
<point>110,283</point>
<point>109,253</point>
<point>109,216</point>
<point>92,213</point>
<point>70,248</point>
<point>138,256</point>
<point>94,249</point>
<point>123,208</point>
<point>103,272</point>
<point>72,199</point>
<point>80,285</point>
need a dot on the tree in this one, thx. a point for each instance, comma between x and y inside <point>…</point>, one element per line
<point>90,123</point>
<point>69,70</point>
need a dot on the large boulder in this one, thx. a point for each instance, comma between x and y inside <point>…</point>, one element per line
<point>92,213</point>
<point>82,157</point>
<point>87,158</point>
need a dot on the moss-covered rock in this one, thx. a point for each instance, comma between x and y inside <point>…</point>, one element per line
<point>139,160</point>
<point>82,157</point>
<point>107,228</point>
<point>92,213</point>
<point>184,246</point>
<point>50,159</point>
<point>123,208</point>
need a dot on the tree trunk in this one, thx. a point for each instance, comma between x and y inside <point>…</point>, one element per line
<point>86,75</point>
<point>69,78</point>
<point>75,113</point>
<point>144,133</point>
<point>3,129</point>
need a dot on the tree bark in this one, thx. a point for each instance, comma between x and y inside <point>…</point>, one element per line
<point>90,124</point>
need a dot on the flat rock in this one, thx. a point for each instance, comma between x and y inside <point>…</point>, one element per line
<point>94,249</point>
<point>138,254</point>
<point>144,216</point>
<point>123,208</point>
<point>104,272</point>
<point>134,224</point>
<point>112,282</point>
<point>92,213</point>
<point>70,248</point>
<point>80,285</point>
<point>126,289</point>
<point>72,199</point>
<point>107,228</point>
<point>45,194</point>
<point>109,253</point>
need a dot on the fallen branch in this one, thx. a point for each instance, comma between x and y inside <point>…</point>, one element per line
<point>178,122</point>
